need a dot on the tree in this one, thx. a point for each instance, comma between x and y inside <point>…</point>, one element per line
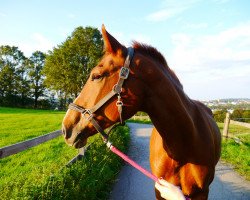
<point>246,116</point>
<point>220,115</point>
<point>13,78</point>
<point>68,65</point>
<point>36,78</point>
<point>237,115</point>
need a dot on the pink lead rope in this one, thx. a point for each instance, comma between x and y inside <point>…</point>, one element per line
<point>131,162</point>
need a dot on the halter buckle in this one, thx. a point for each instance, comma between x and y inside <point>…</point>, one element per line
<point>124,72</point>
<point>87,114</point>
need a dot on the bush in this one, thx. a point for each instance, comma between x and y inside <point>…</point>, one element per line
<point>246,116</point>
<point>220,115</point>
<point>241,115</point>
<point>140,113</point>
<point>237,115</point>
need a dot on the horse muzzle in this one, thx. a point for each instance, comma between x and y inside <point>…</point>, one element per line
<point>75,137</point>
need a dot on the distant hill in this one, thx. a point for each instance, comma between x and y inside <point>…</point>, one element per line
<point>236,99</point>
<point>229,103</point>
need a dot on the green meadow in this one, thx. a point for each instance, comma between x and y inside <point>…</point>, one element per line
<point>21,124</point>
<point>40,172</point>
<point>237,154</point>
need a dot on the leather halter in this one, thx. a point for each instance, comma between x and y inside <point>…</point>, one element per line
<point>87,114</point>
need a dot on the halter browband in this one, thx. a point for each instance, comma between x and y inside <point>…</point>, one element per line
<point>87,114</point>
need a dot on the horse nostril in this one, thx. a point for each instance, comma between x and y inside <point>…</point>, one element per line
<point>64,132</point>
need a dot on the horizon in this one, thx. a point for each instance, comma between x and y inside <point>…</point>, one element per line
<point>225,99</point>
<point>206,43</point>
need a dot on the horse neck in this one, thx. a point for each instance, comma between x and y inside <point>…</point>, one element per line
<point>170,110</point>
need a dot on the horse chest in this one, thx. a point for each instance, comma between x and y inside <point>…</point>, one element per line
<point>192,178</point>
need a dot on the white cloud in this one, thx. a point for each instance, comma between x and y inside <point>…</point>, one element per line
<point>35,42</point>
<point>231,45</point>
<point>165,14</point>
<point>171,8</point>
<point>221,59</point>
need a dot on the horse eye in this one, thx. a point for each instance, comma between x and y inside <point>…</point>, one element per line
<point>96,77</point>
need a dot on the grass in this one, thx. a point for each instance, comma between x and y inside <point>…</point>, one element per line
<point>143,121</point>
<point>237,154</point>
<point>40,172</point>
<point>21,124</point>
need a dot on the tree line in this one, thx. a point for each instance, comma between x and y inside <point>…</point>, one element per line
<point>237,115</point>
<point>49,80</point>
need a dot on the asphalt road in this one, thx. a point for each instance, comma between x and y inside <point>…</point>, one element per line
<point>133,185</point>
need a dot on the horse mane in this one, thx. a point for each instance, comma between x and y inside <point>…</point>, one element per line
<point>154,53</point>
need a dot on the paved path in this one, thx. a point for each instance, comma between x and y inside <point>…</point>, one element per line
<point>132,185</point>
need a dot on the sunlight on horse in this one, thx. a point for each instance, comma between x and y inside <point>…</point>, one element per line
<point>185,143</point>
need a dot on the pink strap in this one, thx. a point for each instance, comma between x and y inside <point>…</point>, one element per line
<point>133,163</point>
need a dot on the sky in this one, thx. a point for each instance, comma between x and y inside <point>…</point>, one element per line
<point>205,42</point>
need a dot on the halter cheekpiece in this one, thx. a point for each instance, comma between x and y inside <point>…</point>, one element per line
<point>87,114</point>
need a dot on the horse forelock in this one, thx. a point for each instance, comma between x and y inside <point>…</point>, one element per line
<point>155,54</point>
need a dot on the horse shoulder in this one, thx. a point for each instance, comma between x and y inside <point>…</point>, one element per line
<point>161,164</point>
<point>213,133</point>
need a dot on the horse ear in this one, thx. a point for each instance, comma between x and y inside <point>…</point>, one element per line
<point>111,45</point>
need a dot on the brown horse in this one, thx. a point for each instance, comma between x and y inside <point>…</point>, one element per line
<point>185,143</point>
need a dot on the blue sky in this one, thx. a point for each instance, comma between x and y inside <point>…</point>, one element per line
<point>207,43</point>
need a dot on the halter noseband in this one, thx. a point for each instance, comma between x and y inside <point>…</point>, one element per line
<point>87,114</point>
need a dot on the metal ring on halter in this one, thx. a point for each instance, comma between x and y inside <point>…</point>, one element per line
<point>119,103</point>
<point>87,112</point>
<point>115,89</point>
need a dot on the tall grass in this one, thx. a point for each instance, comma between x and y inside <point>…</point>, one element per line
<point>237,154</point>
<point>40,172</point>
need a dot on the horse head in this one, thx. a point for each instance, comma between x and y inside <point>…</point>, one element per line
<point>103,79</point>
